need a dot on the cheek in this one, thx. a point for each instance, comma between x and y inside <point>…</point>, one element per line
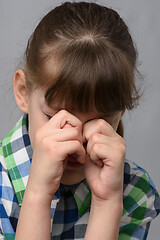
<point>31,130</point>
<point>35,123</point>
<point>115,125</point>
<point>116,121</point>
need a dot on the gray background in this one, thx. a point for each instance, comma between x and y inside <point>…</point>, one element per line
<point>142,132</point>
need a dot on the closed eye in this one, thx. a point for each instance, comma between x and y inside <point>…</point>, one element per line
<point>48,116</point>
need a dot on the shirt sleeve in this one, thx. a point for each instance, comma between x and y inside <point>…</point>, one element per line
<point>141,203</point>
<point>7,203</point>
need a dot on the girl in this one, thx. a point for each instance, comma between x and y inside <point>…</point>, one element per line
<point>63,169</point>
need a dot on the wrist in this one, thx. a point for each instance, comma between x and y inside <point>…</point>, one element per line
<point>40,192</point>
<point>104,213</point>
<point>115,203</point>
<point>37,197</point>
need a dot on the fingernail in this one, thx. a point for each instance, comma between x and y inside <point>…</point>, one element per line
<point>67,125</point>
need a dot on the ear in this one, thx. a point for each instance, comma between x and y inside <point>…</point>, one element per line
<point>20,90</point>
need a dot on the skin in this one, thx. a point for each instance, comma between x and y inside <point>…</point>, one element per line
<point>102,161</point>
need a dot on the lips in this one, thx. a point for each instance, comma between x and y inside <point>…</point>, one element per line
<point>72,161</point>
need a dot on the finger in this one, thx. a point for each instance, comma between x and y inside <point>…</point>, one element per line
<point>64,117</point>
<point>94,156</point>
<point>99,162</point>
<point>72,147</point>
<point>90,166</point>
<point>97,126</point>
<point>98,138</point>
<point>100,152</point>
<point>109,155</point>
<point>67,134</point>
<point>67,125</point>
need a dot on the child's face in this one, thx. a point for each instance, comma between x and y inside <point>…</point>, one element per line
<point>34,105</point>
<point>37,111</point>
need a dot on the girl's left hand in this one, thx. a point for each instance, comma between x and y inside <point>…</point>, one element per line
<point>105,160</point>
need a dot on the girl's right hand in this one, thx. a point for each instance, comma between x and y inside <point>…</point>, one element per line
<point>59,137</point>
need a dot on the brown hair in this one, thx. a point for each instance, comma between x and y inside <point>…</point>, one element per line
<point>82,54</point>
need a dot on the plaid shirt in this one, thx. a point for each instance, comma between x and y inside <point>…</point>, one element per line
<point>70,205</point>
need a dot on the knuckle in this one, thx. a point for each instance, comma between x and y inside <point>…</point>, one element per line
<point>95,137</point>
<point>45,144</point>
<point>75,132</point>
<point>94,147</point>
<point>87,136</point>
<point>39,135</point>
<point>48,146</point>
<point>77,144</point>
<point>120,154</point>
<point>101,122</point>
<point>80,125</point>
<point>63,112</point>
<point>123,146</point>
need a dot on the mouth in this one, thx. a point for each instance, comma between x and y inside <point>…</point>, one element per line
<point>72,161</point>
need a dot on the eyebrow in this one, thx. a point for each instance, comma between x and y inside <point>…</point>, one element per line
<point>58,108</point>
<point>46,107</point>
<point>53,107</point>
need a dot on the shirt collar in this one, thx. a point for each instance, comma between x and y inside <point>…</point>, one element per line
<point>18,153</point>
<point>81,193</point>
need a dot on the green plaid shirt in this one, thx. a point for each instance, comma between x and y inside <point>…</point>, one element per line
<point>70,206</point>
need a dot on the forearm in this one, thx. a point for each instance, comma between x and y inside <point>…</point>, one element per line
<point>34,220</point>
<point>104,221</point>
